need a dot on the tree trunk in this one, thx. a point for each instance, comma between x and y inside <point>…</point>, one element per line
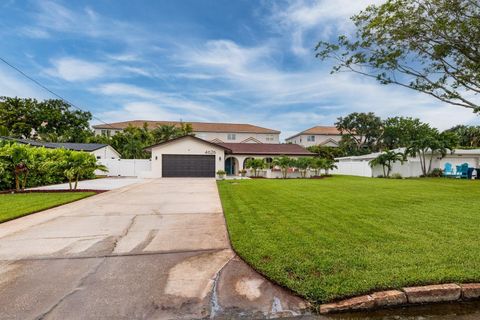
<point>24,182</point>
<point>70,184</point>
<point>76,181</point>
<point>430,164</point>
<point>17,182</point>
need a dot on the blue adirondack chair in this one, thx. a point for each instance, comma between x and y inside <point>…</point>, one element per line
<point>462,171</point>
<point>448,170</point>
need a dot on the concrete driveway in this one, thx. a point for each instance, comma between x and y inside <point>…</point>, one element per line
<point>109,183</point>
<point>157,249</point>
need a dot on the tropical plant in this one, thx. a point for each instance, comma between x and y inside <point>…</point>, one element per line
<point>386,160</point>
<point>302,164</point>
<point>15,158</point>
<point>432,144</point>
<point>255,165</point>
<point>221,173</point>
<point>77,164</point>
<point>284,163</point>
<point>242,172</point>
<point>428,46</point>
<point>328,165</point>
<point>468,136</point>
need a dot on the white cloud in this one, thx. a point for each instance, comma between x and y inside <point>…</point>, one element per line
<point>72,69</point>
<point>51,16</point>
<point>192,108</point>
<point>322,18</point>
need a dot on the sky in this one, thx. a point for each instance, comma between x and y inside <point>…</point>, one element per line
<point>199,60</point>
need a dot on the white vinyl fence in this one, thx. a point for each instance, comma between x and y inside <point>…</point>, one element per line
<point>125,167</point>
<point>353,168</point>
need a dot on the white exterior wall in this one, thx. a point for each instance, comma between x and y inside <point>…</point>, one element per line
<point>125,167</point>
<point>319,139</point>
<point>239,137</point>
<point>106,153</point>
<point>223,136</point>
<point>98,132</point>
<point>187,146</point>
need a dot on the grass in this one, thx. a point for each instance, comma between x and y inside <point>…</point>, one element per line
<point>344,236</point>
<point>13,206</point>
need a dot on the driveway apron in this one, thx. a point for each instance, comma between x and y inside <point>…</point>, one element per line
<point>158,249</point>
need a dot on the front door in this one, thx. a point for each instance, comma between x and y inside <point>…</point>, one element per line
<point>230,166</point>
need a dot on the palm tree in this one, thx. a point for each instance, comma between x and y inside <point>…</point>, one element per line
<point>256,165</point>
<point>328,164</point>
<point>302,164</point>
<point>15,158</point>
<point>164,133</point>
<point>386,160</point>
<point>284,163</point>
<point>79,164</point>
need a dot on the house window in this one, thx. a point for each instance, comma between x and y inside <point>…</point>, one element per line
<point>311,138</point>
<point>98,157</point>
<point>231,136</point>
<point>270,138</point>
<point>105,132</point>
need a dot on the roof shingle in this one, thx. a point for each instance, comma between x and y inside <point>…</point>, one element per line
<point>324,130</point>
<point>196,126</point>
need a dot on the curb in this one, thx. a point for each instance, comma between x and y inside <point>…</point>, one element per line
<point>406,296</point>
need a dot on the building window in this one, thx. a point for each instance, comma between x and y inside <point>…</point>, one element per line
<point>231,136</point>
<point>311,138</point>
<point>105,132</point>
<point>270,137</point>
<point>98,157</point>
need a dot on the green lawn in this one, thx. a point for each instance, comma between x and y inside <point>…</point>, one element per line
<point>343,236</point>
<point>17,205</point>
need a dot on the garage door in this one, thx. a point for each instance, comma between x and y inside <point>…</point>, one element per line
<point>180,165</point>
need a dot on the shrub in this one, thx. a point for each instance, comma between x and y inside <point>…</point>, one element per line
<point>44,166</point>
<point>256,165</point>
<point>396,176</point>
<point>436,172</point>
<point>221,173</point>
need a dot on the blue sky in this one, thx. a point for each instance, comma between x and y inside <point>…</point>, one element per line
<point>229,61</point>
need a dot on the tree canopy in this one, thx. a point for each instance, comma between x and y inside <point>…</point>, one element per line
<point>430,46</point>
<point>51,120</point>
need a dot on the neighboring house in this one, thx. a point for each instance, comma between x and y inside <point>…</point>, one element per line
<point>214,132</point>
<point>99,150</point>
<point>359,165</point>
<point>190,156</point>
<point>318,135</point>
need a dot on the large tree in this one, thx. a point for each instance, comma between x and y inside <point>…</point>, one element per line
<point>361,132</point>
<point>468,136</point>
<point>52,120</point>
<point>431,46</point>
<point>400,131</point>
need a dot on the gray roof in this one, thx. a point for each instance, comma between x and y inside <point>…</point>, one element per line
<point>58,145</point>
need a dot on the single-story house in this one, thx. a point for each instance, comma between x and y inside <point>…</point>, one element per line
<point>190,156</point>
<point>359,165</point>
<point>99,150</point>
